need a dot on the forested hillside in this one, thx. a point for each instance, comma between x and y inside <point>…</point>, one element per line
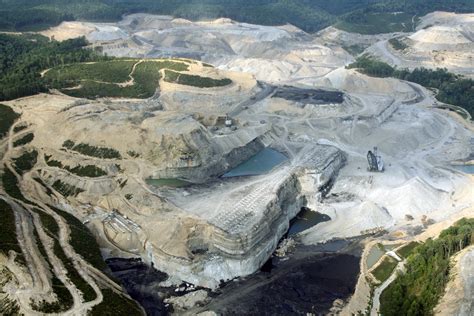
<point>369,16</point>
<point>22,58</point>
<point>397,15</point>
<point>416,292</point>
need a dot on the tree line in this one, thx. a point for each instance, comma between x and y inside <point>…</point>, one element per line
<point>452,89</point>
<point>24,57</point>
<point>418,290</point>
<point>310,15</point>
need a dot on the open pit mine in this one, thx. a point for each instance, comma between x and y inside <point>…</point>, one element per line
<point>246,126</point>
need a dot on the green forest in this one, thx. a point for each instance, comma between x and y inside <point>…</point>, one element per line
<point>367,16</point>
<point>24,57</point>
<point>452,89</point>
<point>417,291</point>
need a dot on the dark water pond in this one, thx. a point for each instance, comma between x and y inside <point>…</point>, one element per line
<point>306,219</point>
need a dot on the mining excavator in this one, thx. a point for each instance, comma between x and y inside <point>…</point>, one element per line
<point>375,161</point>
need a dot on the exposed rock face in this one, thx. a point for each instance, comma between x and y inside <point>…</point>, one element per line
<point>207,157</point>
<point>246,231</point>
<point>189,300</point>
<point>458,298</point>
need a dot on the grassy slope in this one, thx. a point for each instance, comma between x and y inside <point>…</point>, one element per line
<point>385,269</point>
<point>100,82</point>
<point>115,71</point>
<point>195,81</point>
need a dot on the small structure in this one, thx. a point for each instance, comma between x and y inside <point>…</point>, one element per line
<point>228,121</point>
<point>375,161</point>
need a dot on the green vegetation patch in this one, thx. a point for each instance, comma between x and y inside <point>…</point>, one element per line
<point>73,275</point>
<point>84,83</point>
<point>377,22</point>
<point>115,304</point>
<point>195,81</point>
<point>24,57</point>
<point>66,189</point>
<point>7,118</point>
<point>311,16</point>
<point>452,88</point>
<point>406,250</point>
<point>48,222</point>
<point>87,171</point>
<point>95,90</point>
<point>64,298</point>
<point>90,171</point>
<point>28,138</point>
<point>147,74</point>
<point>8,234</point>
<point>10,185</point>
<point>53,231</point>
<point>93,151</point>
<point>383,271</point>
<point>19,128</point>
<point>112,71</point>
<point>397,44</point>
<point>82,240</point>
<point>418,290</point>
<point>372,67</point>
<point>26,161</point>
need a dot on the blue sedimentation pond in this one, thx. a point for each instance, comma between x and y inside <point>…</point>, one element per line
<point>465,168</point>
<point>261,163</point>
<point>375,253</point>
